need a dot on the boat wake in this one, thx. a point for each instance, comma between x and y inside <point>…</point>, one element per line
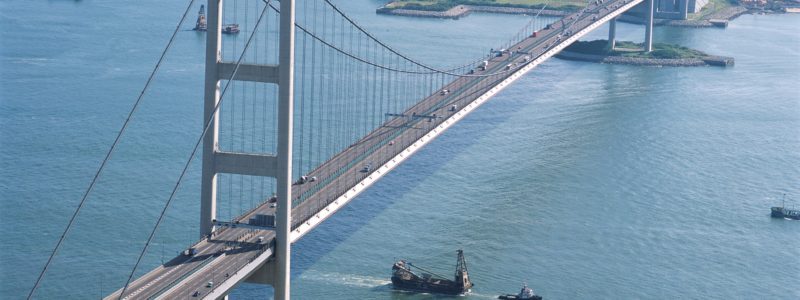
<point>471,295</point>
<point>347,279</point>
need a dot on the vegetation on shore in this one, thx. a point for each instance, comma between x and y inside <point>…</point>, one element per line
<point>443,5</point>
<point>631,49</point>
<point>712,7</point>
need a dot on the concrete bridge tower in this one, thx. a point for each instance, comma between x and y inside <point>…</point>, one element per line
<point>278,166</point>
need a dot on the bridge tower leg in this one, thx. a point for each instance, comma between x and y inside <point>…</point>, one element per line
<point>612,33</point>
<point>208,186</point>
<point>283,224</point>
<point>648,23</point>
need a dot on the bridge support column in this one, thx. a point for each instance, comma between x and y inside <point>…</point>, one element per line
<point>648,23</point>
<point>264,275</point>
<point>283,218</point>
<point>208,186</point>
<point>612,33</point>
<point>683,8</point>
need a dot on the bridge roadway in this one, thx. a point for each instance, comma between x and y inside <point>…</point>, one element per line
<point>231,254</point>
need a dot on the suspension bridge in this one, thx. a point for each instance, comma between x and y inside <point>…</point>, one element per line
<point>304,110</point>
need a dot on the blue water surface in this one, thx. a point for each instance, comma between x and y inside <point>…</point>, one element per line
<point>587,181</point>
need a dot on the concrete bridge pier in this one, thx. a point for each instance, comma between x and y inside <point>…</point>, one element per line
<point>683,9</point>
<point>612,33</point>
<point>648,23</point>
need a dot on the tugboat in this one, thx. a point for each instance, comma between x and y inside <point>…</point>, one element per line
<point>525,293</point>
<point>782,212</point>
<point>428,282</point>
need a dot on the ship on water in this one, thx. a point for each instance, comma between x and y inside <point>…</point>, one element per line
<point>202,25</point>
<point>404,278</point>
<point>201,20</point>
<point>782,212</point>
<point>525,293</point>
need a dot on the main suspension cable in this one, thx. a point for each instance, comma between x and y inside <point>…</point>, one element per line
<point>413,61</point>
<point>110,151</point>
<point>431,70</point>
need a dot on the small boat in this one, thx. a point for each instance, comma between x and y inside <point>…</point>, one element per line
<point>525,293</point>
<point>782,212</point>
<point>230,28</point>
<point>403,278</point>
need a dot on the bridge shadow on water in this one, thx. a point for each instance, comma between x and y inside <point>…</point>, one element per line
<point>361,211</point>
<point>405,178</point>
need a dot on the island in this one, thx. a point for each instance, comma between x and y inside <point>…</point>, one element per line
<point>625,52</point>
<point>703,13</point>
<point>459,8</point>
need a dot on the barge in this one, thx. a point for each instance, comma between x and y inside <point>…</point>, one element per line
<point>201,24</point>
<point>404,278</point>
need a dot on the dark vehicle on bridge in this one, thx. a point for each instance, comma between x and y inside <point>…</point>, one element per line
<point>525,293</point>
<point>404,278</point>
<point>367,168</point>
<point>190,252</point>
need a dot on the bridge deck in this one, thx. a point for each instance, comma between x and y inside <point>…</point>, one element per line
<point>222,257</point>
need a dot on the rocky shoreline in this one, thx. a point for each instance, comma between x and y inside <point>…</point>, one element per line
<point>464,10</point>
<point>710,60</point>
<point>719,18</point>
